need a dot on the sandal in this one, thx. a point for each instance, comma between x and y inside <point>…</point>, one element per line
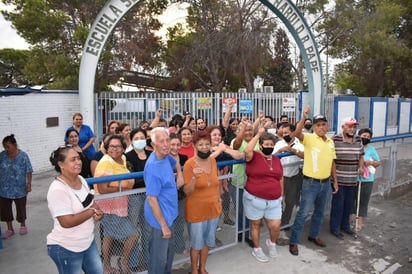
<point>7,234</point>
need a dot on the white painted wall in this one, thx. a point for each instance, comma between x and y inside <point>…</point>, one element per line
<point>25,117</point>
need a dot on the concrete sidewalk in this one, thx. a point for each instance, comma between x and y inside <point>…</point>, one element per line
<point>28,253</point>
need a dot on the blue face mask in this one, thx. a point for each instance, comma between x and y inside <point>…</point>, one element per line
<point>139,144</point>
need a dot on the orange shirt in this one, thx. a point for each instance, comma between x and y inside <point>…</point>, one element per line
<point>204,202</point>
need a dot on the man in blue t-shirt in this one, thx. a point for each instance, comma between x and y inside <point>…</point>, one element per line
<point>161,207</point>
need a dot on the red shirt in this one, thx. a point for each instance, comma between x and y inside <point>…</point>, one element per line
<point>263,182</point>
<point>188,151</point>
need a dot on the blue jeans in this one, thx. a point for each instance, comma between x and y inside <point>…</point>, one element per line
<point>73,262</point>
<point>342,203</point>
<point>161,251</point>
<point>314,193</point>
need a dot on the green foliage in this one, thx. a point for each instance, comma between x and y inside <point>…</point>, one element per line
<point>372,38</point>
<point>58,29</point>
<point>12,63</point>
<point>223,46</point>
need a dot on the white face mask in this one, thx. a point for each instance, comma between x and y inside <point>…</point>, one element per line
<point>139,144</point>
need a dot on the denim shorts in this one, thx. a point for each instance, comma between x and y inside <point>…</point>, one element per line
<point>202,233</point>
<point>256,208</point>
<point>117,227</point>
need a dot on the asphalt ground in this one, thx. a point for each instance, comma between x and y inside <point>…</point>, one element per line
<point>383,245</point>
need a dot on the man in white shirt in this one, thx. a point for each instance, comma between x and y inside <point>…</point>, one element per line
<point>291,170</point>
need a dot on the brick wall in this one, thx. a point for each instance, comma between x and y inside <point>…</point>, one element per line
<point>25,117</point>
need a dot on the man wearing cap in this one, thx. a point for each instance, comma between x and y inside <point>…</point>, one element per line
<point>318,163</point>
<point>349,163</point>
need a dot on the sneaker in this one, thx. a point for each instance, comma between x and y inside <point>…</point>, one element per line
<point>273,253</point>
<point>260,255</point>
<point>23,230</point>
<point>7,234</point>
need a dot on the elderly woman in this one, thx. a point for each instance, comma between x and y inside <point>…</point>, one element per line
<point>262,199</point>
<point>222,152</point>
<point>116,224</point>
<point>203,206</point>
<point>86,135</point>
<point>72,137</point>
<point>71,243</point>
<point>15,183</point>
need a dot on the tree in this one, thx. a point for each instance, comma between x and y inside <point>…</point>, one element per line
<point>279,71</point>
<point>12,63</point>
<point>57,30</point>
<point>375,46</point>
<point>224,46</point>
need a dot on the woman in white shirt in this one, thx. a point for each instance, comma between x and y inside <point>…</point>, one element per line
<point>71,243</point>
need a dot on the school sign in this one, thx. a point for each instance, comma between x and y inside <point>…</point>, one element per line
<point>114,10</point>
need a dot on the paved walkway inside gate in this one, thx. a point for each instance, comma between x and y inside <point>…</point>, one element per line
<point>384,246</point>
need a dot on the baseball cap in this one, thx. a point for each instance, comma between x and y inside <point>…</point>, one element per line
<point>186,113</point>
<point>350,121</point>
<point>318,118</point>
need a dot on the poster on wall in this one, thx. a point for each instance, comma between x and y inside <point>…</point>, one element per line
<point>204,103</point>
<point>245,106</point>
<point>288,104</point>
<point>345,109</point>
<point>225,102</point>
<point>379,118</point>
<point>404,117</point>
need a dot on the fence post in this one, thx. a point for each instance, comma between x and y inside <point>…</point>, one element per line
<point>393,156</point>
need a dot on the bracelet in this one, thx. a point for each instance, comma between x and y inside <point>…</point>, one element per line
<point>92,208</point>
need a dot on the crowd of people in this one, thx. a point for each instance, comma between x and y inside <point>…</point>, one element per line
<point>180,173</point>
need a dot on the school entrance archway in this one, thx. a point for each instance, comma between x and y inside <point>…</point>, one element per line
<point>114,10</point>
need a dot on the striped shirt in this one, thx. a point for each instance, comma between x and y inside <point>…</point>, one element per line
<point>347,159</point>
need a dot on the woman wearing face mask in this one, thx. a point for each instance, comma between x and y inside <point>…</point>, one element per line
<point>307,126</point>
<point>262,198</point>
<point>202,206</point>
<point>138,156</point>
<point>371,162</point>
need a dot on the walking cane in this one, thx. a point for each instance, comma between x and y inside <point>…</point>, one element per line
<point>357,210</point>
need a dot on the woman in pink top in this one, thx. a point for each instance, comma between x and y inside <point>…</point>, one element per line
<point>71,243</point>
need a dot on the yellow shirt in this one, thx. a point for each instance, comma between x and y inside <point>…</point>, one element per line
<point>319,155</point>
<point>117,205</point>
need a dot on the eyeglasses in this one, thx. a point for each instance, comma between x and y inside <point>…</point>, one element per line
<point>115,147</point>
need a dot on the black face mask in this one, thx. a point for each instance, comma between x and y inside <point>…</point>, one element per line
<point>365,141</point>
<point>203,155</point>
<point>149,142</point>
<point>287,138</point>
<point>349,135</point>
<point>307,126</point>
<point>267,150</point>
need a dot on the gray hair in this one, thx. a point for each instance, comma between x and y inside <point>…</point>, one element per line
<point>156,130</point>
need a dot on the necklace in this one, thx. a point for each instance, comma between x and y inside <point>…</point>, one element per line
<point>271,163</point>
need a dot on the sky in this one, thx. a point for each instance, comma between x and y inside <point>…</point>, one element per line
<point>9,37</point>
